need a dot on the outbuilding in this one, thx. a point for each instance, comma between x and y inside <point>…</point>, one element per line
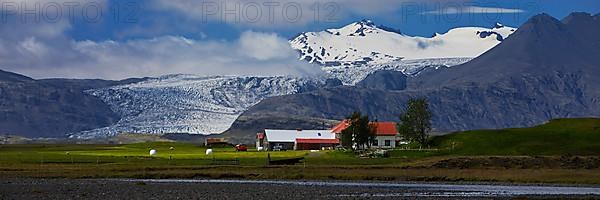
<point>298,139</point>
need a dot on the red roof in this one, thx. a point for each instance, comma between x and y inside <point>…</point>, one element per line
<point>386,128</point>
<point>383,128</point>
<point>260,136</point>
<point>340,127</point>
<point>318,141</point>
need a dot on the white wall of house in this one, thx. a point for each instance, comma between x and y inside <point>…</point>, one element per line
<point>259,145</point>
<point>384,142</point>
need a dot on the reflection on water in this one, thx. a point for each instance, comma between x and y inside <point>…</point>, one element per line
<point>415,189</point>
<point>425,194</point>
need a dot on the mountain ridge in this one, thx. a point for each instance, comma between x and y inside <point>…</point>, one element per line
<point>10,76</point>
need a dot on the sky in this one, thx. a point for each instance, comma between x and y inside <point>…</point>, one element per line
<point>117,39</point>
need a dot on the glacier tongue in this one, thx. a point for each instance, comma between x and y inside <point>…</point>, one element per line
<point>189,103</point>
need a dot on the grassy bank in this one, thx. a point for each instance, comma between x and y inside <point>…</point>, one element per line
<point>563,151</point>
<point>558,137</point>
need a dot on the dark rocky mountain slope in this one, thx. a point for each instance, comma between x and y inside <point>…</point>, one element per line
<point>542,46</point>
<point>51,107</point>
<point>384,80</point>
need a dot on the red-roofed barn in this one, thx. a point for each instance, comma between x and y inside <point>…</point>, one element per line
<point>296,140</point>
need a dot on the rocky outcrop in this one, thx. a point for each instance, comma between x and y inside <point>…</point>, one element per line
<point>384,80</point>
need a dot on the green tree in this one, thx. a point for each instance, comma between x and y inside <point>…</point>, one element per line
<point>347,138</point>
<point>415,123</point>
<point>360,131</point>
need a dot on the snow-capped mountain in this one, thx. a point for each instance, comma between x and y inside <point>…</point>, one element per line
<point>205,105</point>
<point>548,69</point>
<point>364,42</point>
<point>191,104</point>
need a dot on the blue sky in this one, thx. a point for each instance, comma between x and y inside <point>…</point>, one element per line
<point>136,38</point>
<point>151,21</point>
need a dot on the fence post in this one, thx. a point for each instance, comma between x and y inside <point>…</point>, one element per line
<point>97,166</point>
<point>41,171</point>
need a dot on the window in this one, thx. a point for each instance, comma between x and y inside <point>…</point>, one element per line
<point>388,143</point>
<point>375,142</point>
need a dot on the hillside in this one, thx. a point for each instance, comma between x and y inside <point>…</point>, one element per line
<point>50,108</point>
<point>557,137</point>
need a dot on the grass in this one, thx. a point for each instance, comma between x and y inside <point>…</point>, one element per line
<point>558,137</point>
<point>511,155</point>
<point>134,154</point>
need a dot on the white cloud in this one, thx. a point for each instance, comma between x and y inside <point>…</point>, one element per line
<point>31,46</point>
<point>255,53</point>
<point>329,10</point>
<point>41,20</point>
<point>263,46</point>
<point>473,10</point>
<point>44,50</point>
<point>48,9</point>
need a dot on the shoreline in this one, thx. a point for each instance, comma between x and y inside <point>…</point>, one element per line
<point>313,181</point>
<point>26,188</point>
<point>373,183</point>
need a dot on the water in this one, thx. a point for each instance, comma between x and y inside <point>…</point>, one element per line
<point>415,189</point>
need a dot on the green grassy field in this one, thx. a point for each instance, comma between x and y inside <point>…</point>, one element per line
<point>134,154</point>
<point>563,151</point>
<point>558,137</point>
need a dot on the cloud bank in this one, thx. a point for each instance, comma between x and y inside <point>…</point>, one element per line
<point>45,50</point>
<point>278,13</point>
<point>254,53</point>
<point>474,10</point>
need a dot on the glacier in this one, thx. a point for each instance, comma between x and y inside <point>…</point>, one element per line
<point>190,103</point>
<point>350,75</point>
<point>205,105</point>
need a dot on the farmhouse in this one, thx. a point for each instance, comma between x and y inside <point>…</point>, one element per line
<point>296,140</point>
<point>271,139</point>
<point>386,134</point>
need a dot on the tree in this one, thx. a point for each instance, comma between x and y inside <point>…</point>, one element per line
<point>415,123</point>
<point>360,131</point>
<point>347,138</point>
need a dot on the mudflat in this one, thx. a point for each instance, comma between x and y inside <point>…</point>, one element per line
<point>232,189</point>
